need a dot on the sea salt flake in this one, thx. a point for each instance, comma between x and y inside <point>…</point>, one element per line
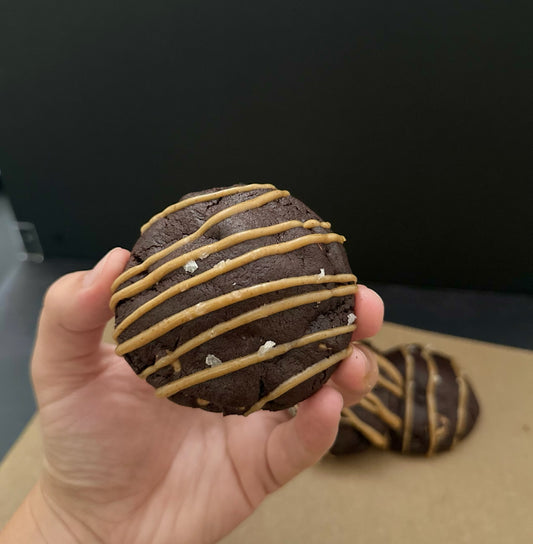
<point>322,273</point>
<point>190,267</point>
<point>268,345</point>
<point>351,318</point>
<point>212,360</point>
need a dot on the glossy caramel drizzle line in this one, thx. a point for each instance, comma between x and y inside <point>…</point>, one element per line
<point>204,198</point>
<point>431,401</point>
<point>211,222</point>
<point>234,365</point>
<point>222,301</point>
<point>224,266</point>
<point>409,398</point>
<point>248,317</point>
<point>299,378</point>
<point>376,438</point>
<point>200,252</point>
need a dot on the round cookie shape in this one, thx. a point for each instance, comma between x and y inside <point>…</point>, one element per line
<point>422,404</point>
<point>235,299</point>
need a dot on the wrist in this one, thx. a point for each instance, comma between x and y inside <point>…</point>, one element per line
<point>38,521</point>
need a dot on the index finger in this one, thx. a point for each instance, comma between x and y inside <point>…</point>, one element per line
<point>369,310</point>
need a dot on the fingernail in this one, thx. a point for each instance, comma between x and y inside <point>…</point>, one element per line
<point>91,276</point>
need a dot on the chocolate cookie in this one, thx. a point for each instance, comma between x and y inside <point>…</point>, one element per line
<point>422,403</point>
<point>236,299</point>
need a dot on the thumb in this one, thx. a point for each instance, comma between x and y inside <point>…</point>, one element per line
<point>301,441</point>
<point>74,314</point>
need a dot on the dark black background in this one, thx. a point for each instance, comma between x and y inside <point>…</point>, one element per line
<point>408,125</point>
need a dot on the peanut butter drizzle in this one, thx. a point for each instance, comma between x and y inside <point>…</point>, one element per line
<point>299,378</point>
<point>248,317</point>
<point>389,417</point>
<point>369,406</point>
<point>461,403</point>
<point>222,301</point>
<point>176,263</point>
<point>442,428</point>
<point>377,439</point>
<point>386,366</point>
<point>409,398</point>
<point>212,221</point>
<point>234,365</point>
<point>392,387</point>
<point>204,198</point>
<point>224,266</point>
<point>431,401</point>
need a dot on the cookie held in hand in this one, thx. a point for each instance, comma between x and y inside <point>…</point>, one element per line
<point>422,403</point>
<point>236,299</point>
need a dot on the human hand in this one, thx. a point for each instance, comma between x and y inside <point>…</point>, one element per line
<point>124,466</point>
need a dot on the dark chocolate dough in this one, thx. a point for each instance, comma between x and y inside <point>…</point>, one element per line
<point>237,392</point>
